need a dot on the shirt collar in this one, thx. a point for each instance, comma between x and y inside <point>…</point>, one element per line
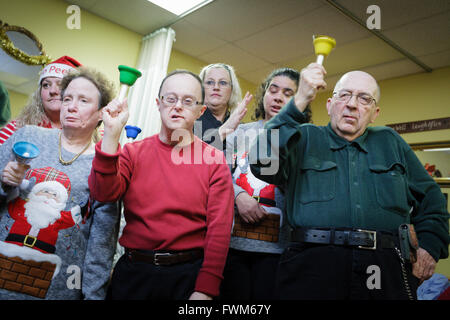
<point>209,115</point>
<point>337,142</point>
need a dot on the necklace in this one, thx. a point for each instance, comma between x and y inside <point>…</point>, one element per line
<point>66,163</point>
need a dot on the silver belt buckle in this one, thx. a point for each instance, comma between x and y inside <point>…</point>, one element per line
<point>374,233</point>
<point>157,255</point>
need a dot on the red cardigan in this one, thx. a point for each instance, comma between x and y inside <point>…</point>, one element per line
<point>170,205</point>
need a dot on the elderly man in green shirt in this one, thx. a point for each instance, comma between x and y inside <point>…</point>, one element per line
<point>354,195</point>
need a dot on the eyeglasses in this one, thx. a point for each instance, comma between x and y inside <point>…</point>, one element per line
<point>212,84</point>
<point>362,98</point>
<point>172,100</point>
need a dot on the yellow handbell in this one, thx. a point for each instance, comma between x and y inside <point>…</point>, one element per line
<point>323,46</point>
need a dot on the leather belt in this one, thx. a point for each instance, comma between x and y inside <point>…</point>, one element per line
<point>163,258</point>
<point>265,201</point>
<point>362,239</point>
<point>30,241</point>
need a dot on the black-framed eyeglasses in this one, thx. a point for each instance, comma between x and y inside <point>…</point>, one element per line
<point>212,83</point>
<point>172,100</point>
<point>362,98</point>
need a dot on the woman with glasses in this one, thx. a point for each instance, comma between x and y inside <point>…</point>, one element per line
<point>222,94</point>
<point>259,234</point>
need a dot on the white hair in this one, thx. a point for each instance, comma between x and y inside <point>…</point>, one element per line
<point>56,186</point>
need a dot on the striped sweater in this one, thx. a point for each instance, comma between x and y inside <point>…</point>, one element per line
<point>8,130</point>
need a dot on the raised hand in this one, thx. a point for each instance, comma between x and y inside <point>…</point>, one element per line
<point>311,80</point>
<point>235,117</point>
<point>114,116</point>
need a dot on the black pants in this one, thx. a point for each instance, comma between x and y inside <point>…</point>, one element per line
<point>145,281</point>
<point>249,276</point>
<point>308,271</point>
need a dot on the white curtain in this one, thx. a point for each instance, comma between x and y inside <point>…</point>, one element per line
<point>153,62</point>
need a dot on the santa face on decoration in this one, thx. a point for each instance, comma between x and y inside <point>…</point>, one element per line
<point>37,221</point>
<point>45,203</point>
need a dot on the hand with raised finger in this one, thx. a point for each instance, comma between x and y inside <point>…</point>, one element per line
<point>114,116</point>
<point>235,117</point>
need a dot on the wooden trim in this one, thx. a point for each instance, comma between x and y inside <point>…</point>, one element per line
<point>443,182</point>
<point>421,126</point>
<point>430,145</point>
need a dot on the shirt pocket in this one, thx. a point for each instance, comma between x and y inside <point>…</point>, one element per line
<point>317,180</point>
<point>391,186</point>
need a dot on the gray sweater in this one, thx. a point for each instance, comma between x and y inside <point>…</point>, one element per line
<point>235,149</point>
<point>80,266</point>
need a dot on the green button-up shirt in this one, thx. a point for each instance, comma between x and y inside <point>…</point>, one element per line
<point>375,182</point>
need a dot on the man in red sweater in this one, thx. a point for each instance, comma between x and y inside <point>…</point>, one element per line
<point>177,194</point>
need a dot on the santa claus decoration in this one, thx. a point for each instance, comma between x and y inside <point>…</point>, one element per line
<point>264,193</point>
<point>37,220</point>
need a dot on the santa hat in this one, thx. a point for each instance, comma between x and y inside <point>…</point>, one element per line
<point>51,174</point>
<point>59,68</point>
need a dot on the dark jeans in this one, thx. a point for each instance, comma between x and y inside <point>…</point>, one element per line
<point>249,276</point>
<point>308,271</point>
<point>145,281</point>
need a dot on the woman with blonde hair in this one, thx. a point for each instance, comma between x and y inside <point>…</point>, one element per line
<point>225,106</point>
<point>45,103</point>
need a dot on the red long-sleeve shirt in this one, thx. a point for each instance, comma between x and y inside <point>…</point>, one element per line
<point>168,204</point>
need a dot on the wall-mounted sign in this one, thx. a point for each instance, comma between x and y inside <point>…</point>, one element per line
<point>423,125</point>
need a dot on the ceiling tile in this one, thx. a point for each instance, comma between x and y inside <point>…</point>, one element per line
<point>140,16</point>
<point>425,36</point>
<point>294,38</point>
<point>351,56</point>
<point>241,61</point>
<point>393,69</point>
<point>86,4</point>
<point>193,40</point>
<point>436,60</point>
<point>231,20</point>
<point>398,12</point>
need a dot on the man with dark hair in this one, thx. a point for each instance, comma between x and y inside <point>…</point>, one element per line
<point>177,195</point>
<point>354,196</point>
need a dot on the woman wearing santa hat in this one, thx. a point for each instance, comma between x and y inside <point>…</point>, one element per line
<point>54,242</point>
<point>45,103</point>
